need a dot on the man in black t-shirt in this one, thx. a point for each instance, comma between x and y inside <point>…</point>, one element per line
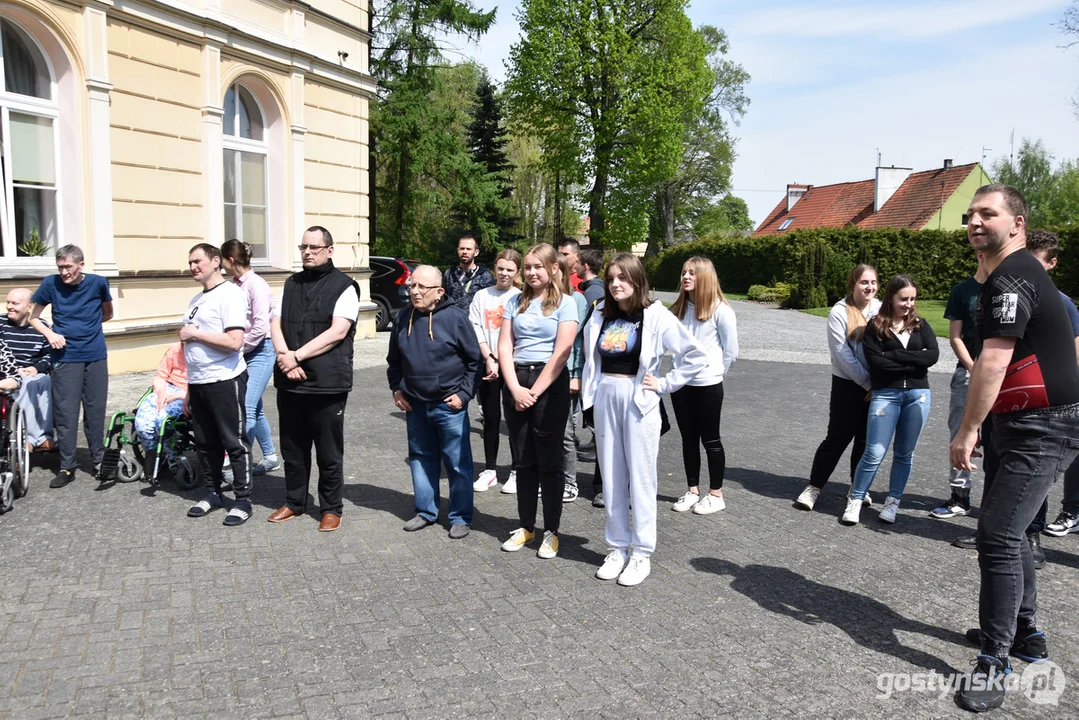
<point>1027,379</point>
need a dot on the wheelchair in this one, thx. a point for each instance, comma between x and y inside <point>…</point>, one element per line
<point>125,460</point>
<point>14,453</point>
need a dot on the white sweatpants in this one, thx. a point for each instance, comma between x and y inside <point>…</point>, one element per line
<point>627,444</point>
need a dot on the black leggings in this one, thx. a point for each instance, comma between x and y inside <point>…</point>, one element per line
<point>698,411</point>
<point>538,432</point>
<point>490,393</point>
<point>848,414</point>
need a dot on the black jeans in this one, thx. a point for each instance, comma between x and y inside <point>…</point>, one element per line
<point>489,393</point>
<point>1034,447</point>
<point>218,410</point>
<point>990,463</point>
<point>538,432</point>
<point>75,384</point>
<point>698,411</point>
<point>307,419</point>
<point>848,414</point>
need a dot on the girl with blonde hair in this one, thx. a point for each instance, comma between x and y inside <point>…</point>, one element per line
<point>533,346</point>
<point>848,404</point>
<point>706,314</point>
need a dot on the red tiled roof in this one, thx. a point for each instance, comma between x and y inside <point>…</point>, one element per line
<point>919,198</point>
<point>823,206</point>
<point>842,204</point>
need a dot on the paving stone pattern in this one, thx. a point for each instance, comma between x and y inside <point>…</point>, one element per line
<point>114,603</point>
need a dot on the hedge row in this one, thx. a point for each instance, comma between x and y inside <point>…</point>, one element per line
<point>816,262</point>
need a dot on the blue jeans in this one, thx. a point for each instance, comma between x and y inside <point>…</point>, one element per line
<point>1034,448</point>
<point>897,412</point>
<point>438,436</point>
<point>260,362</point>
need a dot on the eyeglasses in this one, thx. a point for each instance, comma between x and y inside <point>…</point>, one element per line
<point>423,288</point>
<point>312,248</point>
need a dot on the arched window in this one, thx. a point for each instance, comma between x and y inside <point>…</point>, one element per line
<point>246,150</point>
<point>29,225</point>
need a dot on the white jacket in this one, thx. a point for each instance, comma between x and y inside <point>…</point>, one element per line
<point>661,332</point>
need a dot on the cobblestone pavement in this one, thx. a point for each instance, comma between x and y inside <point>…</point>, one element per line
<point>113,603</point>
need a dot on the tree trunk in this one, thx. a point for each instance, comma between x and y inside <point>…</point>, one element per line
<point>597,215</point>
<point>557,235</point>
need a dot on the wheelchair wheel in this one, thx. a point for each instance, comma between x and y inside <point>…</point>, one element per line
<point>19,457</point>
<point>7,493</point>
<point>187,476</point>
<point>130,467</point>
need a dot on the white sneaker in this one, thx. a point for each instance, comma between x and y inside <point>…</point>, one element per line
<point>612,565</point>
<point>808,498</point>
<point>709,504</point>
<point>569,493</point>
<point>685,502</point>
<point>850,515</point>
<point>510,488</point>
<point>891,507</point>
<point>866,501</point>
<point>549,546</point>
<point>637,569</point>
<point>486,479</point>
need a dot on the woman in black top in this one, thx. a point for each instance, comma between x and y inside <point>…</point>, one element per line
<point>900,347</point>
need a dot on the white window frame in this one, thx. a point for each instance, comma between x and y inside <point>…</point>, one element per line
<point>28,106</point>
<point>259,147</point>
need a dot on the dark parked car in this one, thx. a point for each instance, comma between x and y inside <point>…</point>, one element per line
<point>389,288</point>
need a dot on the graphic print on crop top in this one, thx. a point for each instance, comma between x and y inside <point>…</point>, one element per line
<point>620,344</point>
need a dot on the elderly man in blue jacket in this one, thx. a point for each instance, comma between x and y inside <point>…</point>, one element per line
<point>433,362</point>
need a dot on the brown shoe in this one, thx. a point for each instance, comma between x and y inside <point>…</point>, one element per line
<point>46,446</point>
<point>329,523</point>
<point>282,514</point>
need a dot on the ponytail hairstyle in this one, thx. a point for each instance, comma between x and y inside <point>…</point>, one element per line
<point>238,253</point>
<point>511,255</point>
<point>552,294</point>
<point>882,323</point>
<point>856,321</point>
<point>706,295</point>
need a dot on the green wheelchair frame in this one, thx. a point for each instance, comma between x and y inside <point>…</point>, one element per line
<point>125,461</point>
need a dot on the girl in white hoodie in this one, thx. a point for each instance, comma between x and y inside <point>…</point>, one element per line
<point>624,342</point>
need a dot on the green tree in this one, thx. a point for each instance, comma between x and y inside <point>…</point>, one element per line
<point>1052,193</point>
<point>729,215</point>
<point>606,85</point>
<point>493,217</point>
<point>419,152</point>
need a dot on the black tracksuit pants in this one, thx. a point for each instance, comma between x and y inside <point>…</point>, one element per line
<point>219,413</point>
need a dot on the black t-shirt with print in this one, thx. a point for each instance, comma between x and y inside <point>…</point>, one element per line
<point>620,343</point>
<point>1020,301</point>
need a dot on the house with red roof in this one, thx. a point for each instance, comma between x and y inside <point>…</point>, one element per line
<point>893,198</point>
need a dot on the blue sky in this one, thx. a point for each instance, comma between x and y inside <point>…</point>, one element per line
<point>833,81</point>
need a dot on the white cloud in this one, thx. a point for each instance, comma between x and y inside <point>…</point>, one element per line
<point>895,20</point>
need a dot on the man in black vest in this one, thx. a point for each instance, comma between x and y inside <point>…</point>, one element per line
<point>312,331</point>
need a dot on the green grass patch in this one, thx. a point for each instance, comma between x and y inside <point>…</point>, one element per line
<point>931,310</point>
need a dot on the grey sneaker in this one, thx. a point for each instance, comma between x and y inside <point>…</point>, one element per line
<point>459,531</point>
<point>597,501</point>
<point>417,523</point>
<point>267,464</point>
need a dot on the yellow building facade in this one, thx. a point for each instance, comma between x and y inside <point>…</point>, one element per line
<point>137,128</point>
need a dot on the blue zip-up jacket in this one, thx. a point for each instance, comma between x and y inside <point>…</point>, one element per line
<point>433,354</point>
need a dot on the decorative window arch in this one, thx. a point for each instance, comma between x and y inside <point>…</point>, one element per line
<point>246,146</point>
<point>30,207</point>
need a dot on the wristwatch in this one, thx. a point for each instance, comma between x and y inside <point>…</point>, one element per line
<point>492,356</point>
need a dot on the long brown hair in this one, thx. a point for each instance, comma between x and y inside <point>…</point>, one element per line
<point>882,323</point>
<point>631,268</point>
<point>511,255</point>
<point>563,276</point>
<point>856,321</point>
<point>552,294</point>
<point>707,293</point>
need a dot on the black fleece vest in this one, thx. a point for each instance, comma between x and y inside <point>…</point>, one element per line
<point>306,312</point>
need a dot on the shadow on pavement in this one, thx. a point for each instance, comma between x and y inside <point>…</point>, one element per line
<point>870,623</point>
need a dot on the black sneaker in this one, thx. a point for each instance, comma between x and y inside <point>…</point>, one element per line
<point>62,478</point>
<point>1029,644</point>
<point>1065,523</point>
<point>1036,550</point>
<point>970,542</point>
<point>983,689</point>
<point>956,506</point>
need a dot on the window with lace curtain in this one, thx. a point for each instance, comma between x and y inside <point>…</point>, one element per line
<point>29,225</point>
<point>246,148</point>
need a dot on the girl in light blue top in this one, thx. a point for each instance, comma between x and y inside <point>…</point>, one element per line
<point>533,348</point>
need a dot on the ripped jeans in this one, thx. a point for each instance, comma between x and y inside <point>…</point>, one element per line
<point>898,412</point>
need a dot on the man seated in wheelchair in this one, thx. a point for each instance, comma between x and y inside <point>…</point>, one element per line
<point>167,399</point>
<point>34,360</point>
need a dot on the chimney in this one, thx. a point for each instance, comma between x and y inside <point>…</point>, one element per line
<point>887,182</point>
<point>794,194</point>
<point>947,163</point>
